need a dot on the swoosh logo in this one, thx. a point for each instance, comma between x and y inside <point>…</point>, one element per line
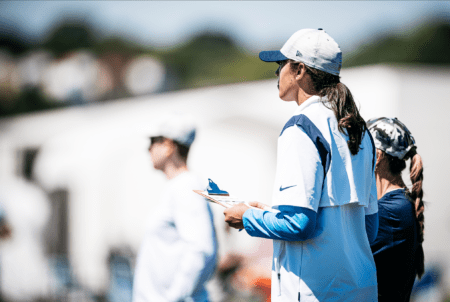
<point>282,189</point>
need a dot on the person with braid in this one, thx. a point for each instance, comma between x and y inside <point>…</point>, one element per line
<point>324,200</point>
<point>397,249</point>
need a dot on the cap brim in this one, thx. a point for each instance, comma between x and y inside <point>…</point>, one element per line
<point>272,56</point>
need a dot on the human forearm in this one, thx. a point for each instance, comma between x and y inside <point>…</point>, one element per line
<point>297,224</point>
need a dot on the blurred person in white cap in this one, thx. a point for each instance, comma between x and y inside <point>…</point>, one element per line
<point>397,250</point>
<point>179,251</point>
<point>325,190</point>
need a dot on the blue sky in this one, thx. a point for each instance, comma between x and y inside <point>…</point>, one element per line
<point>256,25</point>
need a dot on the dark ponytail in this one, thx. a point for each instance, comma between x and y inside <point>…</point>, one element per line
<point>396,166</point>
<point>340,100</point>
<point>416,194</point>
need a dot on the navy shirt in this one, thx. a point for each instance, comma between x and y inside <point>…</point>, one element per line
<point>395,247</point>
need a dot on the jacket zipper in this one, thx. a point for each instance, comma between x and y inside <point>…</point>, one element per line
<point>277,270</point>
<point>300,272</point>
<point>278,266</point>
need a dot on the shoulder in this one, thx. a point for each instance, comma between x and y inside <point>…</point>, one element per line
<point>185,178</point>
<point>185,182</point>
<point>396,203</point>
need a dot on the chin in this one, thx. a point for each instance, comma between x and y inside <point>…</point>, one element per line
<point>286,97</point>
<point>282,97</point>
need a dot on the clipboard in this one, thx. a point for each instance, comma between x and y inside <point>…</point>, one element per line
<point>229,201</point>
<point>224,201</point>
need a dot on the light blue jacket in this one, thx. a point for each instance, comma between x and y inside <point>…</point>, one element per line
<point>323,193</point>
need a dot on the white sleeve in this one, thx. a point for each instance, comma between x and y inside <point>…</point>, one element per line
<point>194,223</point>
<point>300,172</point>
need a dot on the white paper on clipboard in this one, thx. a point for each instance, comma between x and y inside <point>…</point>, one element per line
<point>229,201</point>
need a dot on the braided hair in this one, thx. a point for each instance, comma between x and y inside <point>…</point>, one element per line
<point>415,194</point>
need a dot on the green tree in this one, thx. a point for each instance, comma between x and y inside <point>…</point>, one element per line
<point>120,46</point>
<point>69,36</point>
<point>12,39</point>
<point>211,59</point>
<point>428,43</point>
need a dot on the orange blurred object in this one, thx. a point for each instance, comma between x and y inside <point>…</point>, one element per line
<point>262,288</point>
<point>254,280</point>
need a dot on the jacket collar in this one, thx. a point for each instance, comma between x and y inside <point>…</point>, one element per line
<point>305,104</point>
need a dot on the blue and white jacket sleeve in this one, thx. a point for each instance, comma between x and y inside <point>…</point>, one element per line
<point>298,187</point>
<point>293,224</point>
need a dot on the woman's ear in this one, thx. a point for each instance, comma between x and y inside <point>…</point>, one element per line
<point>380,157</point>
<point>300,71</point>
<point>301,68</point>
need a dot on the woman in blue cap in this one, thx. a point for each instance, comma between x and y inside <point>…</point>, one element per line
<point>325,188</point>
<point>398,248</point>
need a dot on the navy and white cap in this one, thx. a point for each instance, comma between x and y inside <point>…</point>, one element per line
<point>391,136</point>
<point>313,47</point>
<point>176,126</point>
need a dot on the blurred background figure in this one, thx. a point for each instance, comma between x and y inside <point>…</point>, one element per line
<point>121,275</point>
<point>24,267</point>
<point>5,233</point>
<point>5,228</point>
<point>179,251</point>
<point>81,82</point>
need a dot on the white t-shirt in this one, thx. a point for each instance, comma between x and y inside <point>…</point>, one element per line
<point>179,251</point>
<point>316,170</point>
